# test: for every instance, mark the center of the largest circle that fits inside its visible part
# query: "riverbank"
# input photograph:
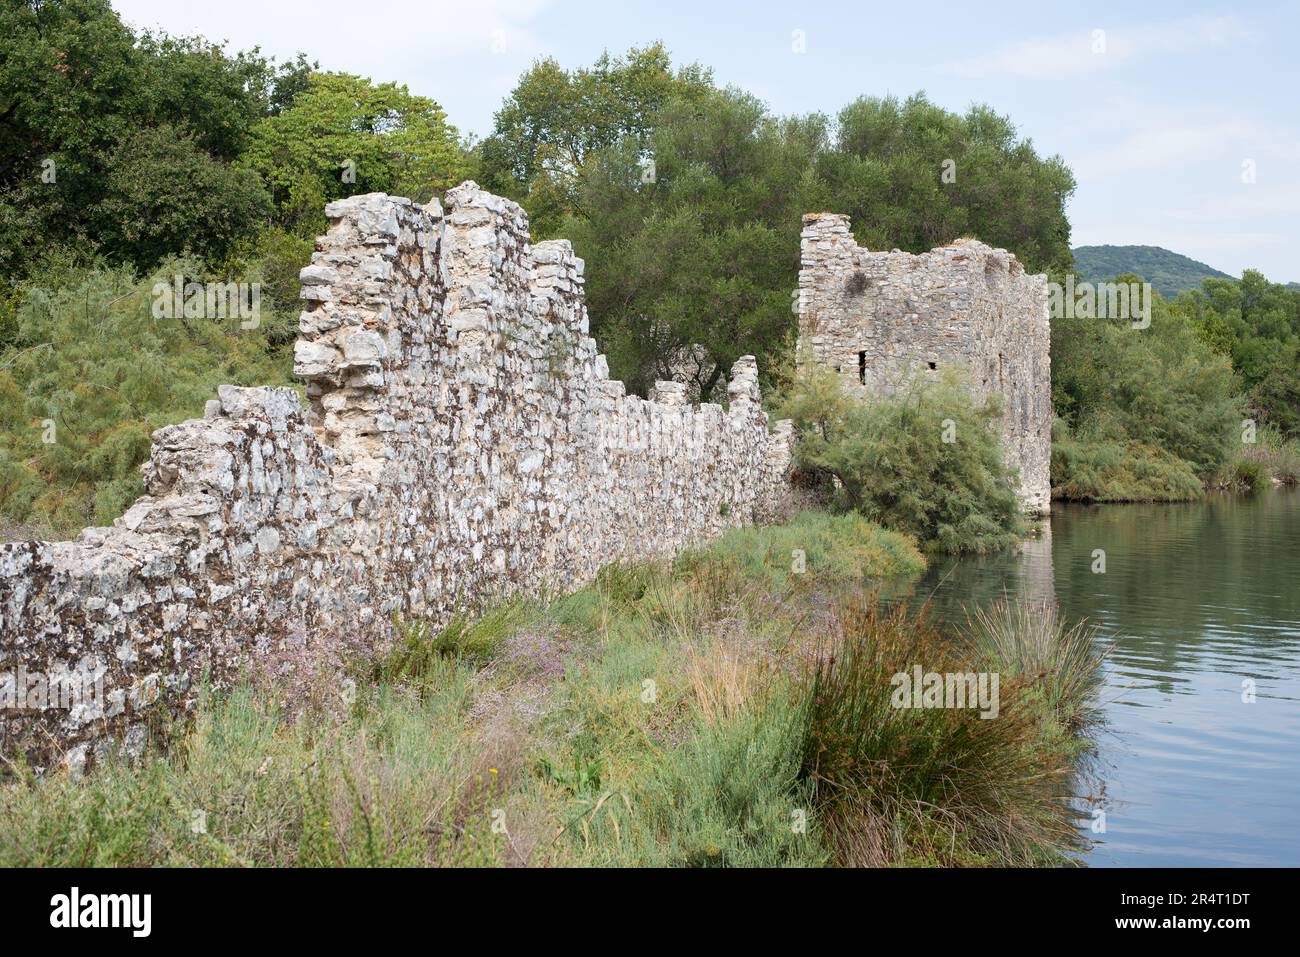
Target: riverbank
(1195, 766)
(1126, 471)
(736, 706)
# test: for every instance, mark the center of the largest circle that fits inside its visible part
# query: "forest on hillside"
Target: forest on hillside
(1169, 272)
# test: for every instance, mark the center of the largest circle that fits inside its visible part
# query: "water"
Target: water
(1197, 599)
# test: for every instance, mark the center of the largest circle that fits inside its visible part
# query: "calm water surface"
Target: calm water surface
(1197, 599)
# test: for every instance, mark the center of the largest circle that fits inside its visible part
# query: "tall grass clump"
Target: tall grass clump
(1028, 640)
(1272, 457)
(925, 462)
(895, 785)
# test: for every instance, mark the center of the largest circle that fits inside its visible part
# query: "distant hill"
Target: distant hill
(1168, 272)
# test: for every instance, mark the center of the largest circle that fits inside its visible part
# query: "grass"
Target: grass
(722, 709)
(1271, 458)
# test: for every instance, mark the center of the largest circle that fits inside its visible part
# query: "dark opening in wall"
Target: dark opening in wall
(862, 367)
(933, 365)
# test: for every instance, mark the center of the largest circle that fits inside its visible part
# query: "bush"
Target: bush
(843, 549)
(93, 373)
(1093, 469)
(924, 462)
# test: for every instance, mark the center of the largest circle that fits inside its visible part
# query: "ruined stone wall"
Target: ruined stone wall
(463, 442)
(884, 320)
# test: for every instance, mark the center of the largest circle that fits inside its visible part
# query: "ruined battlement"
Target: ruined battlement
(462, 442)
(883, 320)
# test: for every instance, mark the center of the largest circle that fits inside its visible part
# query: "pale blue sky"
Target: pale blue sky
(1157, 127)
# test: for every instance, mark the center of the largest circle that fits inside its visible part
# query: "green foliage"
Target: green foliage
(469, 638)
(167, 196)
(704, 256)
(845, 549)
(1256, 324)
(92, 374)
(553, 122)
(1096, 469)
(924, 461)
(727, 798)
(686, 199)
(83, 96)
(1168, 272)
(1154, 404)
(395, 142)
(886, 171)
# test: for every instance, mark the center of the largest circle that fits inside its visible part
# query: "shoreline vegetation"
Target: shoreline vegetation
(721, 709)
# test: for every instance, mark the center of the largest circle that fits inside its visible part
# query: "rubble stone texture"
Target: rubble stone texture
(463, 442)
(885, 321)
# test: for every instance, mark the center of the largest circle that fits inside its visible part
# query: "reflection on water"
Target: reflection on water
(1202, 606)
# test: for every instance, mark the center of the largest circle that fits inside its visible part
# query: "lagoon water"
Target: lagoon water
(1202, 604)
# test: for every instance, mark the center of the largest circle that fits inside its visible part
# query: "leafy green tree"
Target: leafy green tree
(891, 460)
(165, 195)
(1256, 324)
(344, 135)
(555, 120)
(1160, 388)
(914, 176)
(702, 255)
(76, 85)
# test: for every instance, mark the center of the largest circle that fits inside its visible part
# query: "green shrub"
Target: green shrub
(836, 549)
(93, 373)
(924, 462)
(1092, 469)
(732, 797)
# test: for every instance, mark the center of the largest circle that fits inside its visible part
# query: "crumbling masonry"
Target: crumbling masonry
(463, 442)
(887, 320)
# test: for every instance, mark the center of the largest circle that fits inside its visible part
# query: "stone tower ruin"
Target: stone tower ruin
(884, 320)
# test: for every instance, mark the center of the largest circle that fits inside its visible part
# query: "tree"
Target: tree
(165, 195)
(1162, 387)
(893, 462)
(347, 135)
(913, 176)
(76, 85)
(556, 120)
(702, 256)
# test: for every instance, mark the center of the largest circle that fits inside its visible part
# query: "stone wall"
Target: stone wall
(885, 320)
(462, 442)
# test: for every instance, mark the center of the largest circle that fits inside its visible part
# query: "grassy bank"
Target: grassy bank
(722, 709)
(1090, 469)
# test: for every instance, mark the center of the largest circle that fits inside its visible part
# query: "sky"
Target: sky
(1181, 122)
